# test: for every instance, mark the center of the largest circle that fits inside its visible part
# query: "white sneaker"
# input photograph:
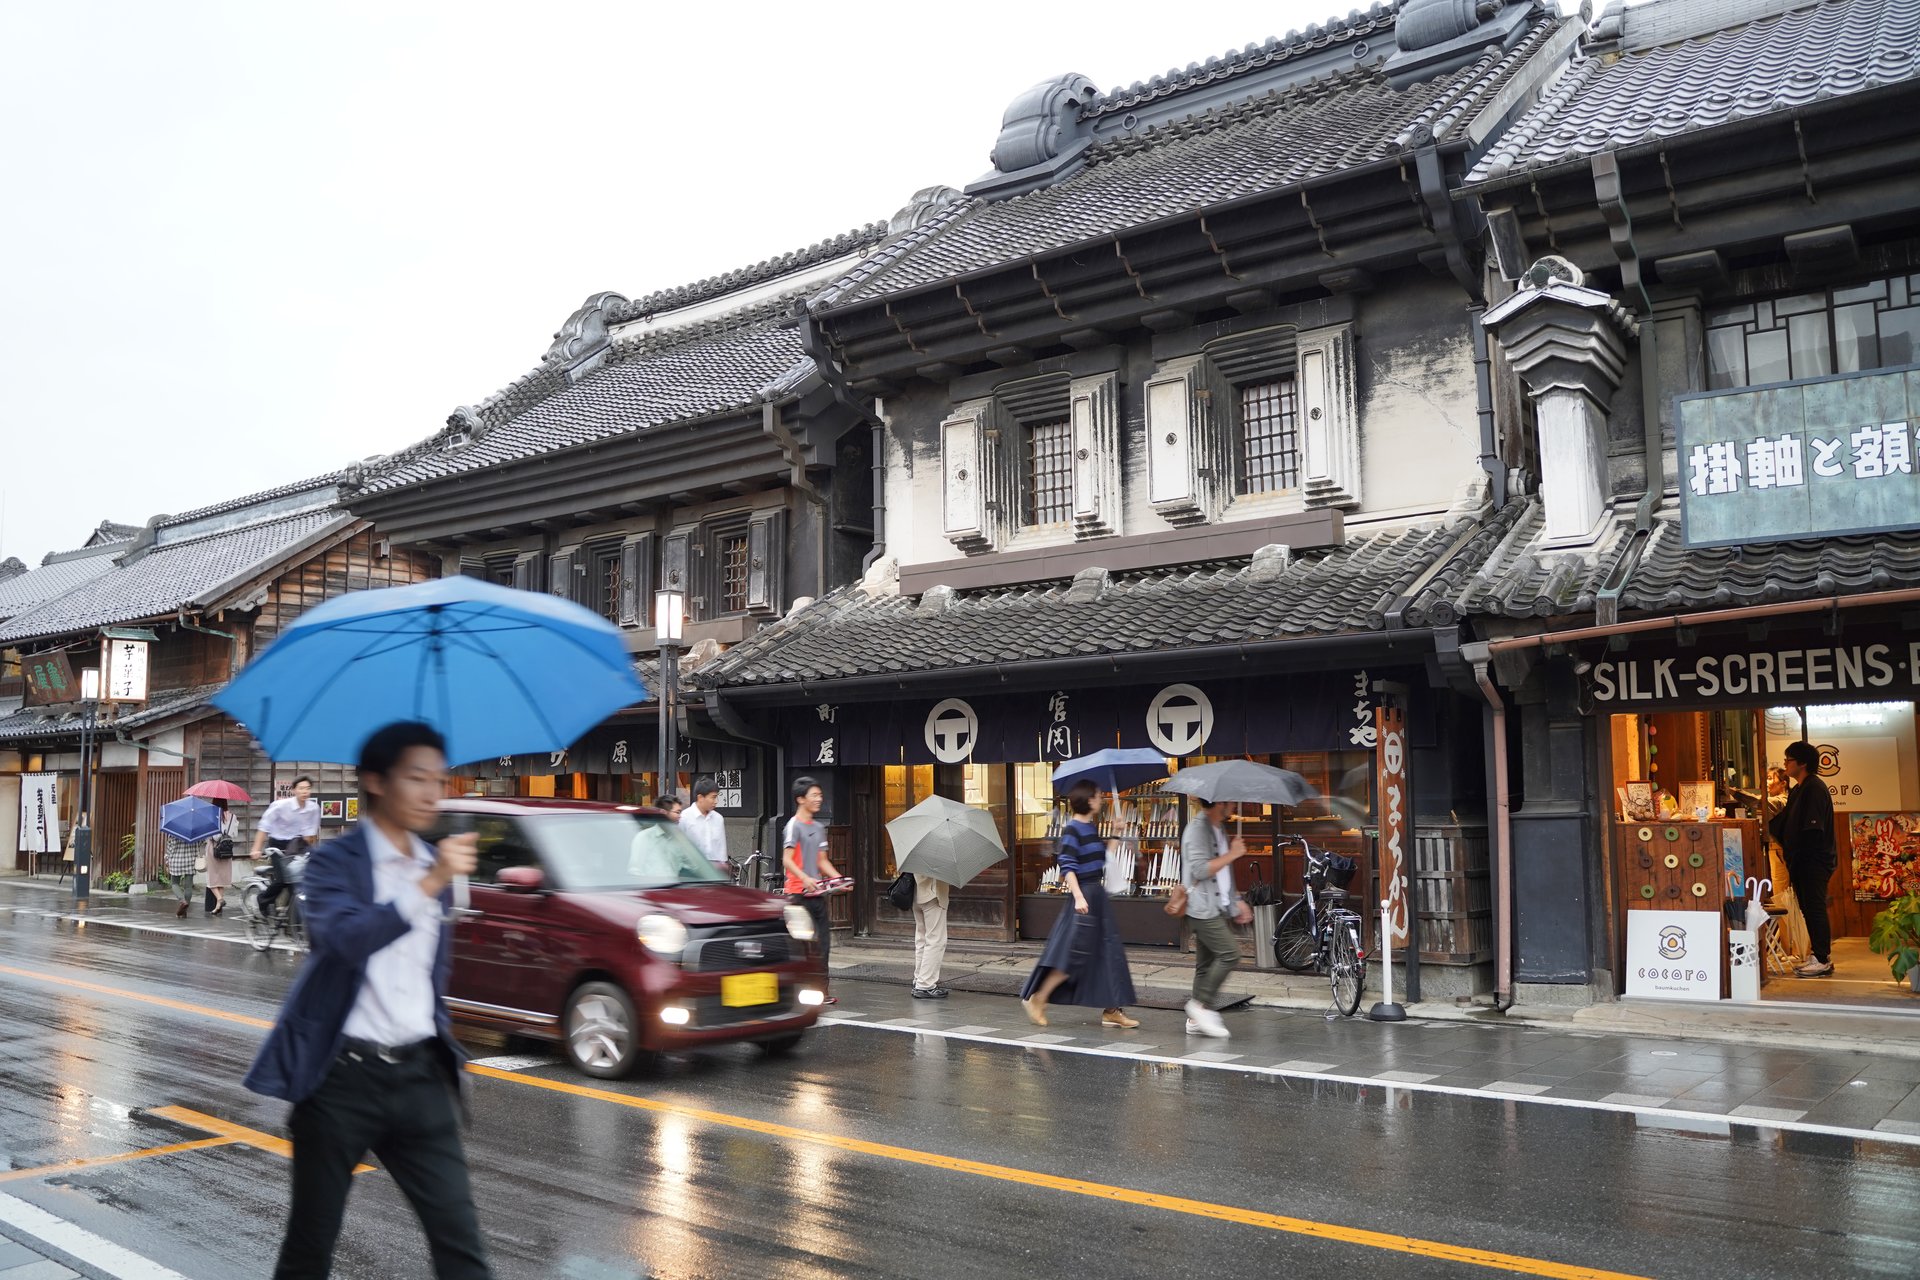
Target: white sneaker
(1203, 1021)
(1193, 1028)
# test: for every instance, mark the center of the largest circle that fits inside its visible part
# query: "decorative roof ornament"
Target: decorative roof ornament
(1042, 135)
(926, 202)
(1433, 37)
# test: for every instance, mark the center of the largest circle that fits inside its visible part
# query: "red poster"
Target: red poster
(1396, 815)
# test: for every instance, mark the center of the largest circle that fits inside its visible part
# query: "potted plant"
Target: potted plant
(1896, 935)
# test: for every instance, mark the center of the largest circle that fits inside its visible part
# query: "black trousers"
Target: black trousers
(1809, 879)
(407, 1115)
(816, 906)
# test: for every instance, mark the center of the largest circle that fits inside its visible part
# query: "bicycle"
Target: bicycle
(761, 875)
(280, 911)
(1317, 932)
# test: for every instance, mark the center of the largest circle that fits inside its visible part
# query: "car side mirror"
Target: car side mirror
(521, 879)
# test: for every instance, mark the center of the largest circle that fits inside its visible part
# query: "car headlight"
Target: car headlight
(662, 935)
(799, 923)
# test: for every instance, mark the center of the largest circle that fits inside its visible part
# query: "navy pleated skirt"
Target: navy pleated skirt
(1088, 947)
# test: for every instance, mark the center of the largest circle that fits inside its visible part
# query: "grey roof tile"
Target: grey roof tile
(850, 633)
(1270, 143)
(1505, 573)
(686, 295)
(54, 579)
(1238, 62)
(682, 375)
(1772, 64)
(168, 578)
(52, 722)
(251, 499)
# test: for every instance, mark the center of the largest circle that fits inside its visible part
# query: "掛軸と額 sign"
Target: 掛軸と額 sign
(1674, 955)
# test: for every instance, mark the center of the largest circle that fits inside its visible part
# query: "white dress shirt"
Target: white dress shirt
(396, 1002)
(288, 819)
(707, 831)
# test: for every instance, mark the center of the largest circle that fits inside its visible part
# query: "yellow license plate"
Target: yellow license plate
(739, 989)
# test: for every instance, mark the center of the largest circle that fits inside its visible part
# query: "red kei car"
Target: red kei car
(602, 927)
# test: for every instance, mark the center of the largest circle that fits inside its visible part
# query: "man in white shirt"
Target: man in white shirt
(363, 1047)
(291, 822)
(702, 824)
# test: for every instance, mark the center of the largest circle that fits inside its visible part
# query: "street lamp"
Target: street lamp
(669, 627)
(83, 826)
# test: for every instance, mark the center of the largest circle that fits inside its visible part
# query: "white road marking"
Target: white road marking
(96, 1251)
(1894, 1131)
(1749, 1112)
(1513, 1086)
(518, 1061)
(134, 926)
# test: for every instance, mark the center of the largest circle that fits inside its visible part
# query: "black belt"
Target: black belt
(362, 1050)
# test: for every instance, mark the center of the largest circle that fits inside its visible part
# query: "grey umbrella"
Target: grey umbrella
(945, 839)
(1242, 781)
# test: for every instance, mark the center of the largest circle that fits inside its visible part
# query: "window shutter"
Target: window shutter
(766, 560)
(676, 568)
(979, 453)
(1095, 414)
(636, 581)
(526, 571)
(1189, 458)
(560, 576)
(1330, 424)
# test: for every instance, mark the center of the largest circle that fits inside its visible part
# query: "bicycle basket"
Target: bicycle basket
(1341, 870)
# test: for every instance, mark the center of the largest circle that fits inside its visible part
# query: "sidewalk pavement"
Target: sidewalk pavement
(21, 1261)
(140, 912)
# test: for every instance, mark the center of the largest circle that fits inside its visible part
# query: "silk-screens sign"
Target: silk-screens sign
(1800, 459)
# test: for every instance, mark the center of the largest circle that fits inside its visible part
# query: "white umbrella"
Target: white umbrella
(946, 840)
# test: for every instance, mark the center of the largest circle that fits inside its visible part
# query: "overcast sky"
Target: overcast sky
(248, 243)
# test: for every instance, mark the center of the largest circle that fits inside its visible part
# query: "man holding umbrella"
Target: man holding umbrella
(1206, 859)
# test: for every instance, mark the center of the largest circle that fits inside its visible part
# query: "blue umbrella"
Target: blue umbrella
(190, 820)
(1121, 768)
(495, 670)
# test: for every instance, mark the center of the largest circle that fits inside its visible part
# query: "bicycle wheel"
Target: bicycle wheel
(1293, 946)
(1347, 972)
(259, 923)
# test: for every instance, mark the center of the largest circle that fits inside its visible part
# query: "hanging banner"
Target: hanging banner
(125, 662)
(1396, 815)
(49, 678)
(39, 813)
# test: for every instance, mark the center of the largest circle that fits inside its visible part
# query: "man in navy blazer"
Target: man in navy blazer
(363, 1047)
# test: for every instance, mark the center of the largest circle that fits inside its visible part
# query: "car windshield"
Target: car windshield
(589, 852)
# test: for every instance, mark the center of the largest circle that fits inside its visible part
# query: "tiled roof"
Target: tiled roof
(1237, 62)
(1771, 64)
(168, 578)
(852, 633)
(1504, 572)
(53, 722)
(673, 377)
(1270, 143)
(686, 295)
(265, 495)
(57, 577)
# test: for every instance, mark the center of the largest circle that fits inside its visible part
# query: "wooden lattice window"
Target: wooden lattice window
(1269, 436)
(734, 563)
(603, 582)
(1050, 472)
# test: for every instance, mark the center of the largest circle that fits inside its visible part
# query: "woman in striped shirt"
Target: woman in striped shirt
(1084, 962)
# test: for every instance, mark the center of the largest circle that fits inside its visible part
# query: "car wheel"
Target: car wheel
(602, 1033)
(781, 1046)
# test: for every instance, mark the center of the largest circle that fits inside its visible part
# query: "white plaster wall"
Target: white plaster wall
(1419, 426)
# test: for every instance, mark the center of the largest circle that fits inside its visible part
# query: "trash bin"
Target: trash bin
(1265, 920)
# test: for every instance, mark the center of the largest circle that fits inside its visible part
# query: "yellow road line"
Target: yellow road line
(1077, 1186)
(89, 1162)
(1004, 1173)
(141, 996)
(231, 1132)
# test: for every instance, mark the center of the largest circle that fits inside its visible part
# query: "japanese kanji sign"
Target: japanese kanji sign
(49, 679)
(126, 667)
(1799, 459)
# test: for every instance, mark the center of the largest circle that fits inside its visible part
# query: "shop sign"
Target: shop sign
(39, 813)
(1180, 720)
(1673, 955)
(125, 663)
(1800, 459)
(1396, 819)
(953, 731)
(49, 678)
(1732, 676)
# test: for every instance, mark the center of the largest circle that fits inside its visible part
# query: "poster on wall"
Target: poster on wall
(1861, 746)
(1673, 955)
(39, 813)
(1886, 854)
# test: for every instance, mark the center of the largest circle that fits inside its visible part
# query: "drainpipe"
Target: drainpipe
(1673, 622)
(1612, 203)
(814, 342)
(233, 641)
(1479, 655)
(121, 735)
(1490, 461)
(879, 485)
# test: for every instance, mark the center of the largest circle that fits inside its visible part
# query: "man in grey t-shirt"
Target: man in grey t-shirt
(1206, 854)
(804, 855)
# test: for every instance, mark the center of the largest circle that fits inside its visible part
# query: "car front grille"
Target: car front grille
(709, 1012)
(725, 954)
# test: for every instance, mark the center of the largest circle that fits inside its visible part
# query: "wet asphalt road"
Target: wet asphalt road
(851, 1158)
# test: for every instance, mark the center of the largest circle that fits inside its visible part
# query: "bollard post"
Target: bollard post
(1386, 1010)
